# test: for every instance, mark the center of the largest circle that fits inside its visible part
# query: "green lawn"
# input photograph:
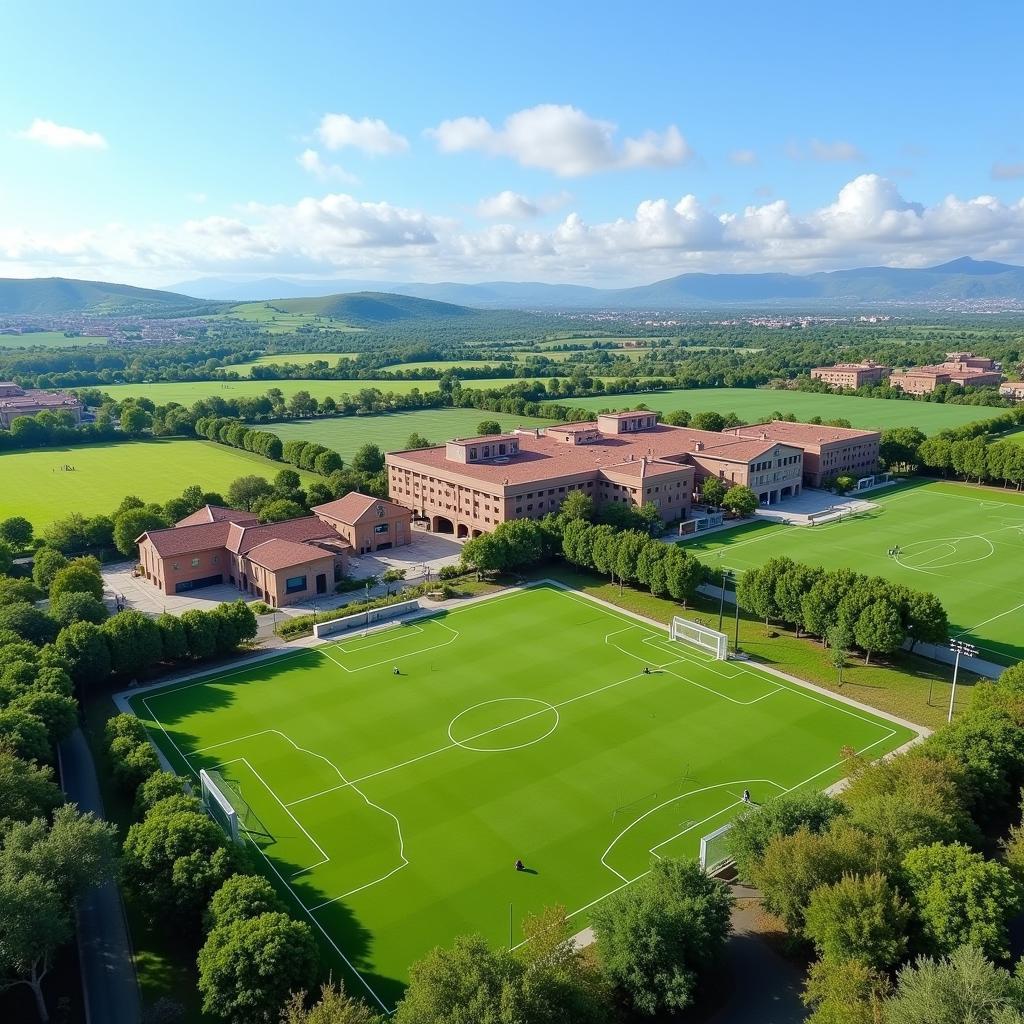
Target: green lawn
(49, 339)
(293, 358)
(394, 806)
(391, 430)
(753, 404)
(38, 489)
(281, 321)
(964, 544)
(1017, 437)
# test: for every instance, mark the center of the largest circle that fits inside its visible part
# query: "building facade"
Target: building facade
(279, 563)
(16, 401)
(851, 375)
(963, 368)
(1014, 391)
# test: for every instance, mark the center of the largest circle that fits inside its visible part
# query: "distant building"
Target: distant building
(16, 401)
(963, 368)
(470, 485)
(279, 563)
(1013, 391)
(851, 375)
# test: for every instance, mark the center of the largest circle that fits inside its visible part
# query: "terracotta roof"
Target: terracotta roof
(180, 540)
(650, 469)
(217, 514)
(801, 433)
(482, 438)
(243, 537)
(282, 554)
(354, 507)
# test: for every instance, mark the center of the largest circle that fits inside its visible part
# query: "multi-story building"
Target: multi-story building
(1014, 391)
(963, 368)
(851, 375)
(16, 401)
(828, 451)
(279, 563)
(470, 485)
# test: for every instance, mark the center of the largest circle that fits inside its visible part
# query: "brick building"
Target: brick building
(963, 368)
(16, 401)
(470, 485)
(851, 375)
(279, 563)
(1013, 391)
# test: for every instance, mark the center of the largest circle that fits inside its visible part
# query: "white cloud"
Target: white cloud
(743, 157)
(61, 136)
(311, 161)
(563, 140)
(371, 135)
(1006, 171)
(868, 222)
(509, 205)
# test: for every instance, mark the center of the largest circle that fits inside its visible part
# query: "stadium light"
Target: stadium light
(968, 650)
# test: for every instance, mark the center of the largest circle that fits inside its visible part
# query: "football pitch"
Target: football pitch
(393, 806)
(964, 544)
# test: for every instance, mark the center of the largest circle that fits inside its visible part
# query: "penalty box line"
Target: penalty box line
(398, 657)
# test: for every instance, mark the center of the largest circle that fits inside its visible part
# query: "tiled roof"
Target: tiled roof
(801, 433)
(283, 554)
(242, 537)
(354, 507)
(217, 514)
(180, 540)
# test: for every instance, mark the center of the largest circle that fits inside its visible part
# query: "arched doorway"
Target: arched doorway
(477, 533)
(439, 524)
(462, 532)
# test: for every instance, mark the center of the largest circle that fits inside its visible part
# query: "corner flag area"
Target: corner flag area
(539, 724)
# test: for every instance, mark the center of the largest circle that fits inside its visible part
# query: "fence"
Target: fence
(367, 618)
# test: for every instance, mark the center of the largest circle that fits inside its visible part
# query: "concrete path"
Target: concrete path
(110, 987)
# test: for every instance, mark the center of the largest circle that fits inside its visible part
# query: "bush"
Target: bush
(69, 608)
(45, 566)
(82, 576)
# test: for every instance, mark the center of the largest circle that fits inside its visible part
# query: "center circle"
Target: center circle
(488, 727)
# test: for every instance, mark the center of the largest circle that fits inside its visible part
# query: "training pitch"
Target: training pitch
(393, 807)
(964, 544)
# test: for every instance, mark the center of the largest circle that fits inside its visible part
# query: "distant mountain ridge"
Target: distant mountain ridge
(55, 295)
(958, 280)
(361, 308)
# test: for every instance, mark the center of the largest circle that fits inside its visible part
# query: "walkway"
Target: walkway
(110, 988)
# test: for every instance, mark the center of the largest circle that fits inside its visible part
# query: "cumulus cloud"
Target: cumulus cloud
(371, 135)
(509, 205)
(743, 157)
(62, 136)
(311, 161)
(561, 139)
(1007, 172)
(868, 221)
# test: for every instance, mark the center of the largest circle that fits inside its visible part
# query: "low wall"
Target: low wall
(367, 618)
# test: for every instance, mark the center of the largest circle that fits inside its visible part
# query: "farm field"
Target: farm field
(390, 430)
(104, 473)
(964, 544)
(49, 339)
(445, 364)
(753, 404)
(393, 807)
(280, 321)
(293, 358)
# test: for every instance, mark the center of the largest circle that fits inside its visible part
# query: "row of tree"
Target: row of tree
(912, 859)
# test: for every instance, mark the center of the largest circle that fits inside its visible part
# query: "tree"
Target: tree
(392, 576)
(368, 459)
(708, 421)
(248, 969)
(29, 622)
(279, 510)
(84, 649)
(878, 628)
(961, 898)
(791, 588)
(712, 491)
(82, 576)
(18, 591)
(76, 607)
(657, 936)
(158, 786)
(27, 790)
(173, 638)
(236, 624)
(46, 563)
(240, 898)
(839, 649)
(17, 532)
(134, 641)
(740, 500)
(577, 505)
(130, 525)
(200, 633)
(898, 448)
(963, 988)
(860, 917)
(335, 1006)
(683, 573)
(926, 620)
(247, 490)
(488, 427)
(844, 992)
(135, 421)
(415, 441)
(755, 591)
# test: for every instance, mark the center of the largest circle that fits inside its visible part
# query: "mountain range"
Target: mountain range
(374, 302)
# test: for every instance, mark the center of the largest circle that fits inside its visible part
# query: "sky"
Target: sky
(598, 143)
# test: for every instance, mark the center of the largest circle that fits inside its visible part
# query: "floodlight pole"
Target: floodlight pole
(721, 602)
(959, 647)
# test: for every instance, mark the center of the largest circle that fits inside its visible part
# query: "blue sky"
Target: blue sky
(600, 143)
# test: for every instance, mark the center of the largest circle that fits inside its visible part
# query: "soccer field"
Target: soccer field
(964, 544)
(393, 807)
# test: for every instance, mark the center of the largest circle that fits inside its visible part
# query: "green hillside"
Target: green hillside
(372, 307)
(50, 295)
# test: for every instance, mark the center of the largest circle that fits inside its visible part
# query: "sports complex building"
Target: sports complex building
(469, 485)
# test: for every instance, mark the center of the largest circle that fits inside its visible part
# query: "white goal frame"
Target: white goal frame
(710, 859)
(689, 632)
(211, 791)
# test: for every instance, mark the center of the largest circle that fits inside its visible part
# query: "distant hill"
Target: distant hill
(371, 308)
(53, 295)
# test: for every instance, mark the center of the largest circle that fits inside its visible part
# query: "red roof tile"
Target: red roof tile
(354, 507)
(242, 537)
(217, 514)
(283, 554)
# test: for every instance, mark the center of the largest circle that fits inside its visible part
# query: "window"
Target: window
(381, 528)
(295, 584)
(195, 562)
(176, 566)
(216, 559)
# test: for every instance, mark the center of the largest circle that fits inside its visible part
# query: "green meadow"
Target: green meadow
(289, 359)
(49, 339)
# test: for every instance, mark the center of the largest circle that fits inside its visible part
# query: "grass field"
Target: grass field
(964, 544)
(393, 806)
(391, 430)
(293, 358)
(48, 339)
(39, 490)
(279, 321)
(753, 404)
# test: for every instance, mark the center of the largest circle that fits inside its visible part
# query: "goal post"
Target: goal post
(215, 797)
(715, 853)
(711, 640)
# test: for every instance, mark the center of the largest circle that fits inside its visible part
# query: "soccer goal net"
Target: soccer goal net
(222, 802)
(714, 849)
(689, 632)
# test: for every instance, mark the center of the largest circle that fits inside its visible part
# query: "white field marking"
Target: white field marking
(518, 746)
(1009, 611)
(340, 645)
(397, 657)
(950, 543)
(225, 743)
